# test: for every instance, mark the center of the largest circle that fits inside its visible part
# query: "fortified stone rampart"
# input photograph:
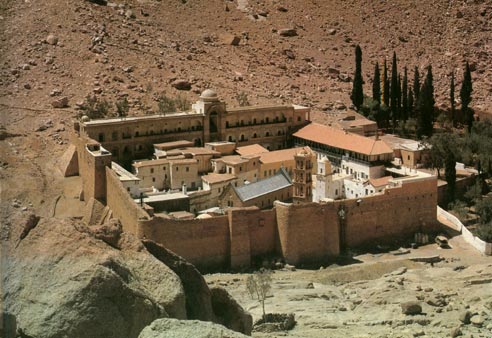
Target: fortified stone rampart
(300, 233)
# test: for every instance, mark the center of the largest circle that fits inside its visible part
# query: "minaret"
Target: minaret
(302, 176)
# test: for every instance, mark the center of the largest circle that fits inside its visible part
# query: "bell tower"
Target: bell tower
(302, 176)
(213, 109)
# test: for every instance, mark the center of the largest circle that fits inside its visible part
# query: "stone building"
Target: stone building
(209, 120)
(261, 194)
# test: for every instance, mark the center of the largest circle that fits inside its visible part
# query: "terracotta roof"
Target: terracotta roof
(281, 155)
(216, 178)
(233, 159)
(343, 140)
(251, 150)
(380, 182)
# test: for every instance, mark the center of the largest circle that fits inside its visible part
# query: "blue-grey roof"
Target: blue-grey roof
(276, 182)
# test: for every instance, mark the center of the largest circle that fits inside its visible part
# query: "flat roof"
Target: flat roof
(232, 159)
(172, 145)
(138, 118)
(216, 178)
(122, 173)
(162, 197)
(251, 150)
(343, 140)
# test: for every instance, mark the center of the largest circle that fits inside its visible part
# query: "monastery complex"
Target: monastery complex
(225, 187)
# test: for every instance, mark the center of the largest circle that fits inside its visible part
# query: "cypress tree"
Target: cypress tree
(410, 103)
(394, 91)
(398, 99)
(430, 82)
(404, 99)
(425, 103)
(385, 84)
(416, 83)
(465, 96)
(376, 84)
(451, 98)
(357, 96)
(450, 173)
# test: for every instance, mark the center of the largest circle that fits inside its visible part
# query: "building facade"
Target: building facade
(208, 121)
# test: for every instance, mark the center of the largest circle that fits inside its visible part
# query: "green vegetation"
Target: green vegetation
(95, 108)
(242, 99)
(465, 96)
(376, 84)
(357, 95)
(122, 108)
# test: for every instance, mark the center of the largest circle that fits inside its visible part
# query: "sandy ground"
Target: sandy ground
(363, 300)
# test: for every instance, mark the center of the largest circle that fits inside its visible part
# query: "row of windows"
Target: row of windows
(177, 169)
(277, 119)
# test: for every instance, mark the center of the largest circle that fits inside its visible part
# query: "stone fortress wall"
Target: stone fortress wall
(302, 233)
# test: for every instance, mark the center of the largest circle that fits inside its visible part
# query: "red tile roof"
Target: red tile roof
(343, 140)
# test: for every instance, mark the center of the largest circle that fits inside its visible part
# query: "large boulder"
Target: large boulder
(62, 282)
(229, 313)
(198, 297)
(202, 303)
(173, 328)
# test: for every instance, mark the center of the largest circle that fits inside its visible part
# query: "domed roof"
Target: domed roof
(208, 94)
(85, 118)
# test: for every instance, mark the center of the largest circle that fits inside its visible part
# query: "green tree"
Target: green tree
(357, 95)
(425, 105)
(404, 99)
(452, 101)
(376, 84)
(394, 91)
(450, 172)
(386, 93)
(416, 83)
(259, 285)
(182, 103)
(242, 99)
(122, 108)
(165, 105)
(465, 96)
(410, 103)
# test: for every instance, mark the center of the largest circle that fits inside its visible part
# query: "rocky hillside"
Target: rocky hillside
(61, 278)
(275, 51)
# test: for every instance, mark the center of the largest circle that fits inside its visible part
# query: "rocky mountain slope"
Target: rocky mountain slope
(138, 49)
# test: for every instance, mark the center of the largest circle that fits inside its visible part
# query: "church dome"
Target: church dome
(209, 94)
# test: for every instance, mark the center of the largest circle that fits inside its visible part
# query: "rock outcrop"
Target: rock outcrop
(61, 282)
(198, 297)
(202, 303)
(229, 313)
(173, 328)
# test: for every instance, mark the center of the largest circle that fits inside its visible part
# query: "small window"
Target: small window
(298, 119)
(128, 189)
(151, 170)
(153, 179)
(187, 169)
(177, 168)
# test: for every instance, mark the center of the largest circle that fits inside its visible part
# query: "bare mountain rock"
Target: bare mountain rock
(173, 328)
(60, 282)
